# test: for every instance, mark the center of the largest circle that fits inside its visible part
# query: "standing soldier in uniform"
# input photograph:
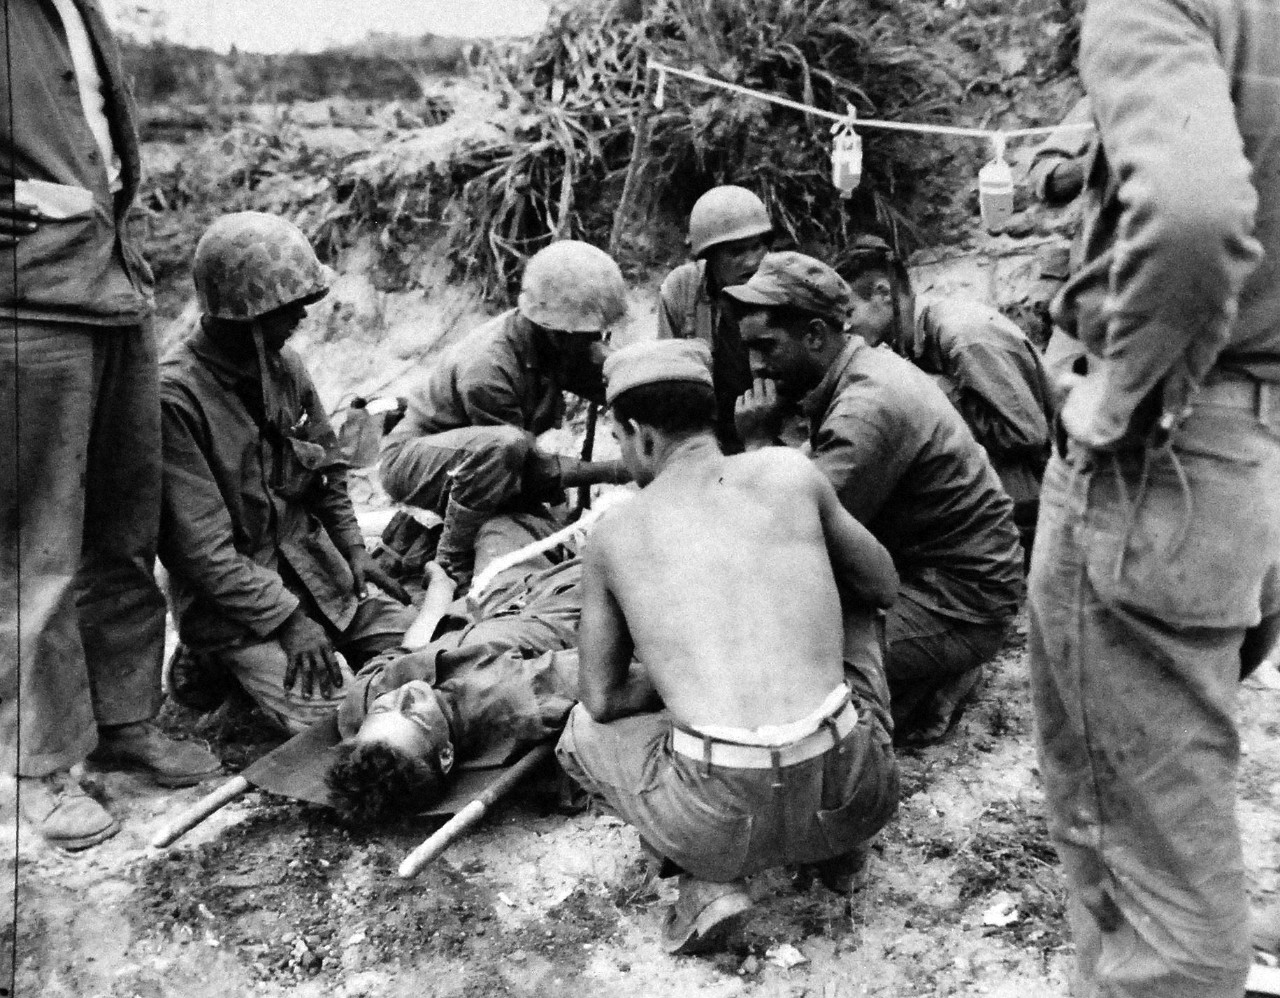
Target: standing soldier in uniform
(1158, 558)
(729, 231)
(79, 430)
(466, 447)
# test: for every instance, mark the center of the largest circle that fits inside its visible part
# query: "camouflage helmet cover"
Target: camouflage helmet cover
(250, 263)
(573, 287)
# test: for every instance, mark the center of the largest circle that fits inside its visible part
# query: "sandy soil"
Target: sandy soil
(272, 897)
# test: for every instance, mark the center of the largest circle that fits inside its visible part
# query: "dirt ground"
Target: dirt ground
(271, 897)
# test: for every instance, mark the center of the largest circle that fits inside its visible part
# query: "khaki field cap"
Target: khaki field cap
(656, 360)
(250, 263)
(725, 214)
(799, 281)
(572, 287)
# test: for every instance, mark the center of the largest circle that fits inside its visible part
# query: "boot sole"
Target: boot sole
(714, 924)
(84, 841)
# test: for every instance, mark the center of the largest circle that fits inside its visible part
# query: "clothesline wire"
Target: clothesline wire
(898, 126)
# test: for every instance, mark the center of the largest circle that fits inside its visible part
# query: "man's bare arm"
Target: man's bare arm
(604, 642)
(863, 568)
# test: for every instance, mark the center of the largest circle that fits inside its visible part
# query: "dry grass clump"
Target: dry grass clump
(586, 83)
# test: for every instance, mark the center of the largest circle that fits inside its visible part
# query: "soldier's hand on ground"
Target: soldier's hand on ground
(758, 414)
(365, 569)
(17, 218)
(312, 660)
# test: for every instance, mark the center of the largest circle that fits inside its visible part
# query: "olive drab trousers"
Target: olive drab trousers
(81, 617)
(1149, 567)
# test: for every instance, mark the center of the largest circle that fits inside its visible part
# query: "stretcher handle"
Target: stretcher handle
(453, 829)
(199, 811)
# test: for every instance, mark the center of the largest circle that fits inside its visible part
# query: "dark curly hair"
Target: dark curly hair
(371, 782)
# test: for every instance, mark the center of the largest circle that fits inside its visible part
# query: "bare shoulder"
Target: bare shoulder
(609, 531)
(777, 468)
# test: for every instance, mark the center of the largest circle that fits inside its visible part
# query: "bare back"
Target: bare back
(722, 572)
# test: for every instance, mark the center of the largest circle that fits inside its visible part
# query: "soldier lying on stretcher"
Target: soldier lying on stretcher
(506, 675)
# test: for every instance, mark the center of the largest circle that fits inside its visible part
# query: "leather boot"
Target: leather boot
(61, 812)
(144, 746)
(704, 915)
(456, 551)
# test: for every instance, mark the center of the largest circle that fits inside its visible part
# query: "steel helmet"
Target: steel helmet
(573, 287)
(250, 263)
(724, 214)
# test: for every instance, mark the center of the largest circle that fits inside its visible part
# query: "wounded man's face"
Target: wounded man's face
(409, 719)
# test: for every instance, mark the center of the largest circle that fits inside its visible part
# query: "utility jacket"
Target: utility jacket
(688, 310)
(510, 675)
(494, 377)
(1179, 273)
(998, 382)
(255, 516)
(904, 463)
(84, 269)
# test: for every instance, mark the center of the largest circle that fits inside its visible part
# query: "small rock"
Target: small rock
(750, 965)
(785, 955)
(1003, 912)
(519, 956)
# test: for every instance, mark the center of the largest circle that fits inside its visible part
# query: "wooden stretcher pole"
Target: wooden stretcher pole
(467, 818)
(199, 811)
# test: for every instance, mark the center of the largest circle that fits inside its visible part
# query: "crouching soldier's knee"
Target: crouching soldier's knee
(491, 471)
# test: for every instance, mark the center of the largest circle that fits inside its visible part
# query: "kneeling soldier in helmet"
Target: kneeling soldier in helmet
(267, 566)
(466, 446)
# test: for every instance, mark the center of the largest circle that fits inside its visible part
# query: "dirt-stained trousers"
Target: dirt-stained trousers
(81, 617)
(1149, 567)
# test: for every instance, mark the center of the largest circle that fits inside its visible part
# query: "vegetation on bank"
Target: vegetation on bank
(577, 96)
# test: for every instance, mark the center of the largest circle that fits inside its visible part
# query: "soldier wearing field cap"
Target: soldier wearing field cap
(466, 448)
(904, 463)
(726, 577)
